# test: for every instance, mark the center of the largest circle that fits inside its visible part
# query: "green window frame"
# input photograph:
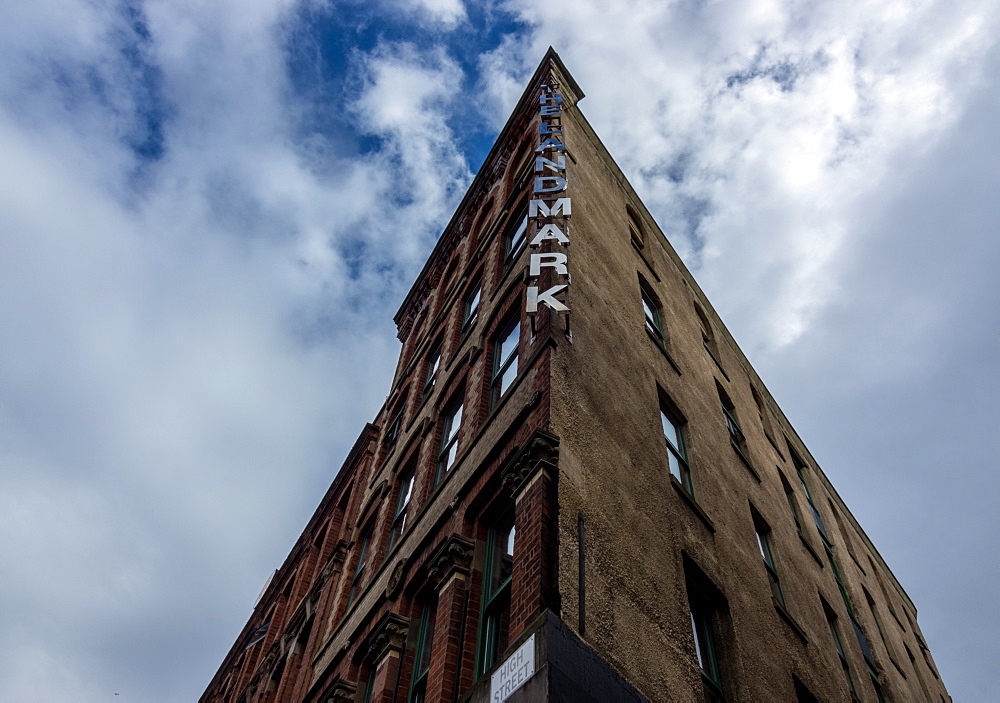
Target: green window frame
(472, 300)
(433, 365)
(817, 518)
(505, 357)
(706, 651)
(831, 619)
(449, 440)
(370, 686)
(516, 239)
(673, 433)
(494, 621)
(395, 424)
(767, 553)
(422, 658)
(359, 570)
(402, 507)
(652, 313)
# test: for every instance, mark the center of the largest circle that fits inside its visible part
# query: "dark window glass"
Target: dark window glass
(402, 508)
(359, 571)
(705, 648)
(764, 542)
(495, 623)
(832, 621)
(433, 364)
(422, 659)
(516, 238)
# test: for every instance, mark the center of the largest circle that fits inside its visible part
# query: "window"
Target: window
(676, 451)
(395, 424)
(790, 497)
(422, 658)
(402, 507)
(449, 440)
(767, 553)
(433, 364)
(729, 413)
(370, 686)
(634, 227)
(359, 570)
(257, 634)
(710, 628)
(708, 336)
(831, 620)
(651, 309)
(803, 694)
(495, 621)
(505, 351)
(800, 469)
(472, 303)
(515, 239)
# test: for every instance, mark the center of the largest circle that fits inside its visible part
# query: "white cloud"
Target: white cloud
(753, 129)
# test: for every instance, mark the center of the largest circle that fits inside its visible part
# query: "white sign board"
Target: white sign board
(514, 672)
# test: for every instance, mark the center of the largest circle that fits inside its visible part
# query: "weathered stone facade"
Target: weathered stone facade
(401, 586)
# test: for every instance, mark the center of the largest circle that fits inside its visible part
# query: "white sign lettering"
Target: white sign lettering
(514, 672)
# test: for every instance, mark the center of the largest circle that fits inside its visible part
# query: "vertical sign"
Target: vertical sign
(550, 206)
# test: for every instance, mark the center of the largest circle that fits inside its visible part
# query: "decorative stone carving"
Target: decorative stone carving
(341, 692)
(388, 636)
(336, 562)
(541, 450)
(395, 583)
(452, 557)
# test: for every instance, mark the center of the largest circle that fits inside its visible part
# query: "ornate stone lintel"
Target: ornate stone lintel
(540, 451)
(336, 561)
(387, 637)
(452, 557)
(341, 692)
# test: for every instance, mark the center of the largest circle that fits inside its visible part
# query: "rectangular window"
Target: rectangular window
(705, 649)
(449, 440)
(515, 239)
(433, 364)
(495, 621)
(395, 424)
(799, 469)
(767, 553)
(370, 686)
(676, 451)
(651, 310)
(790, 497)
(402, 508)
(422, 658)
(505, 351)
(359, 570)
(832, 622)
(472, 304)
(729, 413)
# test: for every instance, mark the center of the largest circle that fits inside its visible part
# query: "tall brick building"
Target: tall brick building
(578, 489)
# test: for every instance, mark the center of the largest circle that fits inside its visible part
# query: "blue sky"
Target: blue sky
(211, 210)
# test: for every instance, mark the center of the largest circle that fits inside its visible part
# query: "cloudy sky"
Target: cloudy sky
(209, 212)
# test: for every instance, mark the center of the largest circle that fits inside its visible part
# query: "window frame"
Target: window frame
(424, 650)
(651, 310)
(706, 650)
(502, 365)
(359, 569)
(763, 533)
(675, 453)
(450, 430)
(473, 301)
(496, 599)
(516, 238)
(405, 497)
(432, 368)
